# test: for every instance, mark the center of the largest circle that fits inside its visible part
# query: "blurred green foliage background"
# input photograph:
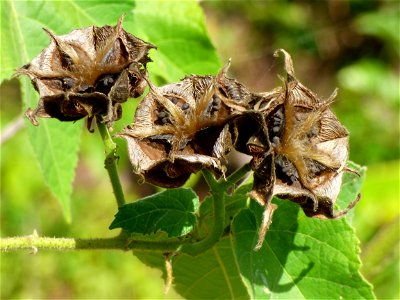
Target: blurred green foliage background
(352, 45)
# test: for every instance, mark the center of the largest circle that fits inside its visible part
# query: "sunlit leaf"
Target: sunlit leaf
(211, 275)
(302, 258)
(172, 211)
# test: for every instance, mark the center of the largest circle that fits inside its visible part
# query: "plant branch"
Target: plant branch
(238, 174)
(110, 162)
(34, 243)
(218, 198)
(124, 242)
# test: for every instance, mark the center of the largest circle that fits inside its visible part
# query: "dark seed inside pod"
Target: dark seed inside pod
(276, 125)
(314, 131)
(174, 100)
(85, 88)
(315, 168)
(105, 83)
(162, 114)
(275, 141)
(285, 170)
(185, 106)
(103, 66)
(216, 101)
(66, 60)
(214, 105)
(67, 83)
(162, 117)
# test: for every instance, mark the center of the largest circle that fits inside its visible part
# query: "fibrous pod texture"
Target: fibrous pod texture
(183, 127)
(302, 154)
(88, 72)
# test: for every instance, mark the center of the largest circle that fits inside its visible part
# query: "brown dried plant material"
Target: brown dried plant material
(88, 72)
(306, 152)
(183, 127)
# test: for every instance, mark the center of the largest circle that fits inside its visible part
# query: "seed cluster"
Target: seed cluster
(298, 147)
(183, 127)
(88, 73)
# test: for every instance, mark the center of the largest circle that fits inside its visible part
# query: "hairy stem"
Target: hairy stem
(124, 242)
(110, 162)
(34, 243)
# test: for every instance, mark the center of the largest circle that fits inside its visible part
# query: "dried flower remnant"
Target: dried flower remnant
(88, 72)
(306, 152)
(183, 127)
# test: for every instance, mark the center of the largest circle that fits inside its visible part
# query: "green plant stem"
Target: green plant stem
(123, 242)
(34, 243)
(110, 162)
(218, 198)
(218, 190)
(238, 174)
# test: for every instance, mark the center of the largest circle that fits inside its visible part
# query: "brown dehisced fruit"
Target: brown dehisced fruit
(302, 154)
(88, 72)
(183, 127)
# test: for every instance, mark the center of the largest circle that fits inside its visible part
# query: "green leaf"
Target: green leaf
(172, 211)
(56, 148)
(178, 30)
(212, 275)
(302, 258)
(351, 187)
(55, 144)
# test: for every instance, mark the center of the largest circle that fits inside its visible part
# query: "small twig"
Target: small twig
(124, 241)
(218, 198)
(238, 174)
(218, 190)
(169, 272)
(110, 162)
(269, 209)
(12, 129)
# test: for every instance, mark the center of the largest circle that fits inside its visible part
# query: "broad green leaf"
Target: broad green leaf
(178, 29)
(211, 275)
(55, 144)
(172, 211)
(302, 258)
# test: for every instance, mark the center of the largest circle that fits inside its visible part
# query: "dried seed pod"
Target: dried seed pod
(303, 153)
(88, 72)
(182, 127)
